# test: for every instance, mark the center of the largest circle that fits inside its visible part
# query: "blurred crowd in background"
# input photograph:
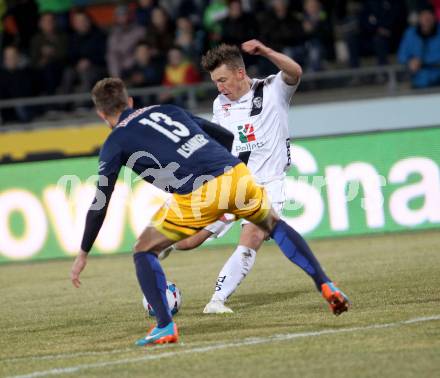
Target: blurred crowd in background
(54, 47)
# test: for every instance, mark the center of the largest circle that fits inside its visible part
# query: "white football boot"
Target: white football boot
(217, 307)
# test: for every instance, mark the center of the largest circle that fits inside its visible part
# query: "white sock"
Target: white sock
(233, 272)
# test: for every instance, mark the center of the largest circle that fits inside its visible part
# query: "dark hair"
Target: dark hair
(83, 12)
(47, 13)
(178, 48)
(425, 6)
(144, 42)
(110, 96)
(222, 54)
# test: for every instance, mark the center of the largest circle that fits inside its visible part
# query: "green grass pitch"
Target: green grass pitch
(281, 326)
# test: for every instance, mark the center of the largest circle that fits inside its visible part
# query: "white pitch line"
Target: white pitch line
(212, 347)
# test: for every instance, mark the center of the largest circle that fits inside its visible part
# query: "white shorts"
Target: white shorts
(275, 191)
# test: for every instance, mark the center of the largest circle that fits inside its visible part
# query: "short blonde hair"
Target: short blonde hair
(110, 96)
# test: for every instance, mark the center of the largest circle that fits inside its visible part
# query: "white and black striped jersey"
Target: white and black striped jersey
(259, 122)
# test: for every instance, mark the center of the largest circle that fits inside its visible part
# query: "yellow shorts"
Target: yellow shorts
(234, 192)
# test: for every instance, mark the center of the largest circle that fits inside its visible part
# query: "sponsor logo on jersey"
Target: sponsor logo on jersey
(246, 133)
(226, 108)
(248, 147)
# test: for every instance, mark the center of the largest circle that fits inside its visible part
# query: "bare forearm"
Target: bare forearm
(292, 71)
(193, 241)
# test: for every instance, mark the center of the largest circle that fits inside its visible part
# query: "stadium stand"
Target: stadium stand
(342, 45)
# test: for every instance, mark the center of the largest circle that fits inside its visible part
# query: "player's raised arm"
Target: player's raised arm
(291, 70)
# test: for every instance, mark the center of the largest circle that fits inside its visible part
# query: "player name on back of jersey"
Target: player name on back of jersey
(192, 145)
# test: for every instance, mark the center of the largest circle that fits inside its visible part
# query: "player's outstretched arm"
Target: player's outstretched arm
(215, 229)
(291, 70)
(193, 241)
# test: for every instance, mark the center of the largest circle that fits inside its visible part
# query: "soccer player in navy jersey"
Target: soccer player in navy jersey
(187, 156)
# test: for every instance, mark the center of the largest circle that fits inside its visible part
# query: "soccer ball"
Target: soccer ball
(174, 298)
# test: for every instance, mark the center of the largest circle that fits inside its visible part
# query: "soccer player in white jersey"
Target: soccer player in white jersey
(256, 112)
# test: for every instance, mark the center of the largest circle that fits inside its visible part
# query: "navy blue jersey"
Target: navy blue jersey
(165, 146)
